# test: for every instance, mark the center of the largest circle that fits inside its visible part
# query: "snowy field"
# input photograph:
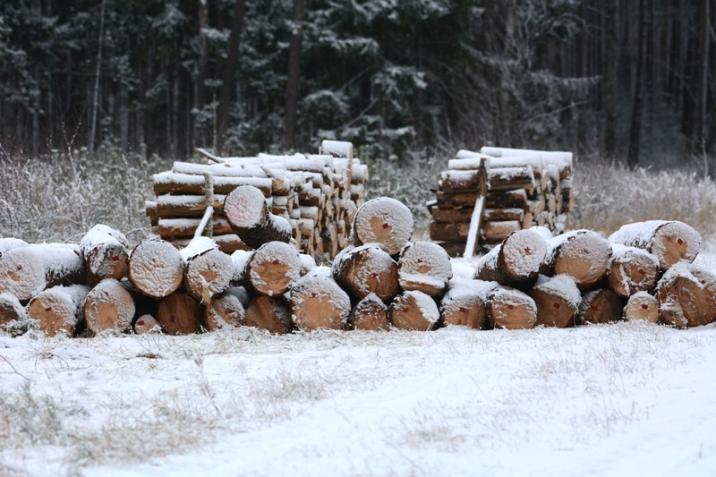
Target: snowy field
(616, 399)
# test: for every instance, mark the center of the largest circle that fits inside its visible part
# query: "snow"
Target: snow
(168, 178)
(456, 402)
(9, 243)
(392, 212)
(197, 246)
(308, 263)
(426, 258)
(462, 292)
(319, 284)
(472, 233)
(337, 148)
(562, 286)
(465, 163)
(557, 157)
(156, 267)
(100, 238)
(427, 306)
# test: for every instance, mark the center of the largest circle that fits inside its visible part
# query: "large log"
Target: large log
(273, 268)
(582, 254)
(670, 241)
(247, 211)
(516, 261)
(209, 271)
(317, 302)
(58, 309)
(385, 221)
(187, 206)
(11, 310)
(179, 314)
(156, 268)
(465, 302)
(510, 309)
(269, 313)
(225, 310)
(104, 251)
(370, 314)
(109, 306)
(424, 266)
(632, 270)
(642, 307)
(506, 199)
(557, 299)
(414, 310)
(600, 306)
(367, 269)
(26, 271)
(686, 299)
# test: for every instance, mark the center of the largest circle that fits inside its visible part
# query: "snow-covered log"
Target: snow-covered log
(26, 271)
(188, 184)
(179, 314)
(385, 221)
(225, 310)
(557, 299)
(269, 313)
(11, 310)
(424, 266)
(642, 307)
(105, 254)
(670, 241)
(414, 310)
(516, 261)
(600, 306)
(58, 309)
(686, 296)
(510, 309)
(370, 314)
(9, 243)
(508, 178)
(465, 302)
(498, 231)
(367, 269)
(209, 271)
(273, 268)
(146, 324)
(246, 209)
(632, 270)
(582, 254)
(317, 302)
(156, 268)
(109, 306)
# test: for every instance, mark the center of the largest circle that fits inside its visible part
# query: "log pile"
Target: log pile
(382, 280)
(310, 198)
(484, 197)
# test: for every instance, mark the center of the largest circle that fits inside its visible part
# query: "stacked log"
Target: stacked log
(310, 198)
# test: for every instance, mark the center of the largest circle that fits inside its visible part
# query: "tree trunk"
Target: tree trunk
(317, 302)
(109, 306)
(294, 76)
(179, 314)
(370, 314)
(104, 251)
(612, 78)
(225, 310)
(669, 241)
(58, 309)
(156, 268)
(269, 313)
(557, 299)
(465, 303)
(516, 261)
(273, 268)
(635, 131)
(246, 209)
(229, 73)
(208, 273)
(600, 306)
(582, 254)
(365, 270)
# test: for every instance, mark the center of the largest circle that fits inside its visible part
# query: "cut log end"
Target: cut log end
(273, 268)
(58, 309)
(178, 314)
(156, 268)
(584, 255)
(370, 314)
(11, 310)
(146, 324)
(269, 313)
(632, 270)
(209, 274)
(425, 267)
(511, 309)
(675, 241)
(108, 307)
(367, 269)
(317, 302)
(385, 221)
(104, 250)
(642, 307)
(557, 299)
(465, 303)
(600, 306)
(415, 311)
(224, 311)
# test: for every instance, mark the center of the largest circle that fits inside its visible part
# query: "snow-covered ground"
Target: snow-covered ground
(618, 399)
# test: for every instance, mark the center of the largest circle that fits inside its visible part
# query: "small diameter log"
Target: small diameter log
(452, 215)
(449, 232)
(632, 270)
(642, 307)
(105, 254)
(11, 310)
(685, 299)
(506, 178)
(367, 269)
(510, 309)
(506, 199)
(247, 211)
(156, 268)
(497, 231)
(370, 314)
(269, 313)
(582, 254)
(58, 309)
(224, 311)
(273, 268)
(179, 314)
(385, 221)
(461, 180)
(424, 266)
(26, 271)
(317, 302)
(516, 261)
(670, 241)
(557, 299)
(415, 311)
(499, 215)
(600, 306)
(465, 303)
(209, 271)
(109, 306)
(146, 324)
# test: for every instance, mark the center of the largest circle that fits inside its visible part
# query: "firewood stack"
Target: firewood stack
(382, 279)
(500, 191)
(317, 194)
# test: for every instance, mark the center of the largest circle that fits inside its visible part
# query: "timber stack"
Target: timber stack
(522, 188)
(316, 195)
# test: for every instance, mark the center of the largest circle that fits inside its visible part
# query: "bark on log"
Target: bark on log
(370, 314)
(465, 303)
(516, 261)
(247, 211)
(179, 314)
(225, 310)
(508, 178)
(186, 206)
(192, 184)
(686, 299)
(146, 324)
(385, 221)
(451, 215)
(461, 180)
(317, 302)
(169, 229)
(26, 271)
(109, 306)
(642, 307)
(600, 306)
(506, 199)
(670, 241)
(414, 310)
(104, 251)
(557, 299)
(269, 313)
(582, 254)
(632, 270)
(450, 232)
(501, 215)
(58, 309)
(511, 309)
(156, 268)
(425, 267)
(498, 231)
(273, 268)
(367, 269)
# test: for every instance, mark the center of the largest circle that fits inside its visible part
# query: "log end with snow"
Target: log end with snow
(269, 313)
(179, 314)
(669, 241)
(208, 273)
(414, 310)
(104, 251)
(11, 310)
(156, 268)
(273, 268)
(516, 261)
(370, 314)
(600, 306)
(108, 307)
(425, 267)
(687, 296)
(58, 309)
(367, 269)
(385, 221)
(146, 324)
(247, 211)
(509, 308)
(557, 299)
(465, 302)
(224, 311)
(582, 254)
(632, 270)
(317, 302)
(642, 306)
